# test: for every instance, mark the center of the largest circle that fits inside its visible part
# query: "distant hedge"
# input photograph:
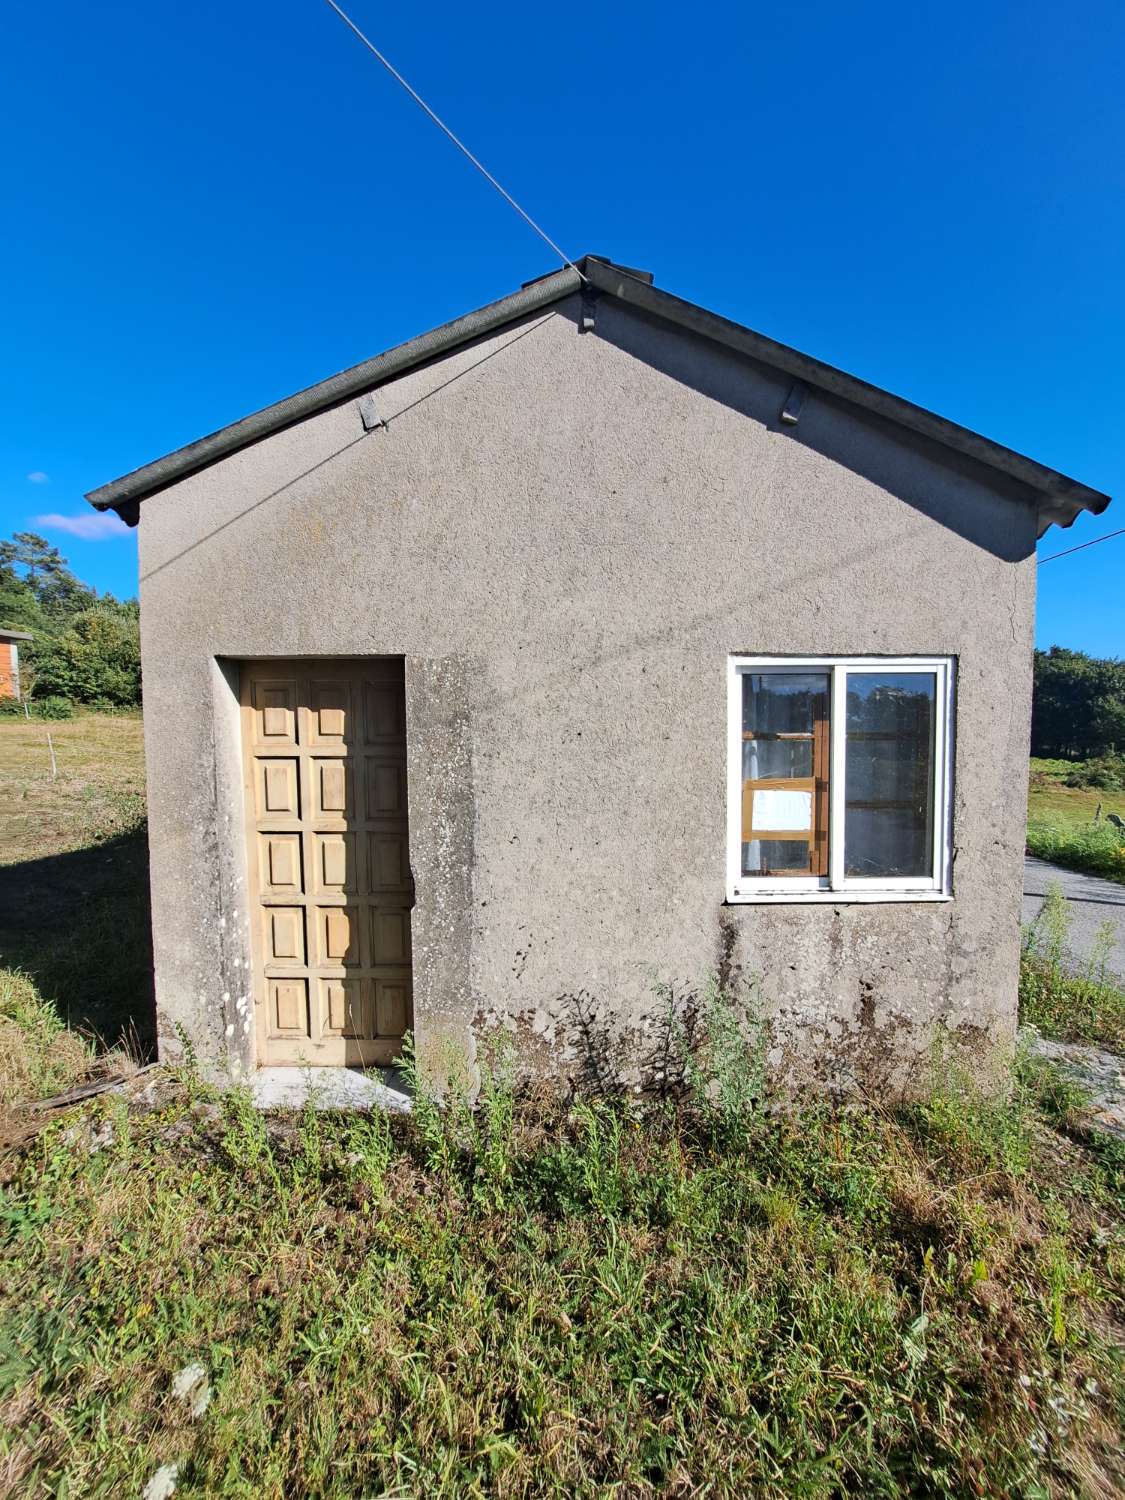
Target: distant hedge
(37, 708)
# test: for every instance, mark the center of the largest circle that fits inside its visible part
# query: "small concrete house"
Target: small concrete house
(10, 661)
(588, 644)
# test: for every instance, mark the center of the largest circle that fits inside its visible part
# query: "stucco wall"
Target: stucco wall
(566, 534)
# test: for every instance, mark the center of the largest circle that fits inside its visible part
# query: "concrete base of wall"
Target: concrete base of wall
(331, 1088)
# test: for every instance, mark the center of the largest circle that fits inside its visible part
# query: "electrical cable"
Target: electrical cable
(1082, 545)
(440, 123)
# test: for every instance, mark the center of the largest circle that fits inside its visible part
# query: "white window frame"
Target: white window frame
(836, 886)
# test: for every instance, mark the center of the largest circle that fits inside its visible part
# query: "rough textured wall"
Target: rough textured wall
(566, 534)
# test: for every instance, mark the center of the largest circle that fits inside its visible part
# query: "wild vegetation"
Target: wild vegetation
(1073, 1002)
(85, 646)
(1071, 817)
(661, 1297)
(1078, 766)
(39, 1053)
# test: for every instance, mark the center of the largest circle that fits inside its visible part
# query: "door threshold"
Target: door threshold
(331, 1088)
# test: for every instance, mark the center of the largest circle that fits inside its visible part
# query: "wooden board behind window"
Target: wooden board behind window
(816, 837)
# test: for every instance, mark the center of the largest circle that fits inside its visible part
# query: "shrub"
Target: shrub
(53, 707)
(96, 658)
(1096, 848)
(1044, 769)
(725, 1069)
(1103, 773)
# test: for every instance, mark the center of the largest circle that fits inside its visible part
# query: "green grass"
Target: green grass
(1094, 848)
(1049, 799)
(1073, 1002)
(535, 1300)
(1061, 822)
(39, 1056)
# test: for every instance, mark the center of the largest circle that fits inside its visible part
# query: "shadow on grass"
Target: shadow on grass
(79, 924)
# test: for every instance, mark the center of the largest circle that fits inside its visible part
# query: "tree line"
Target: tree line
(85, 646)
(1078, 708)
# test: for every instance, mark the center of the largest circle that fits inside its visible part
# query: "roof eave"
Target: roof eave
(126, 493)
(1059, 499)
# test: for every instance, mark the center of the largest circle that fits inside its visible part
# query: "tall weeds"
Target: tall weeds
(1081, 1002)
(1094, 848)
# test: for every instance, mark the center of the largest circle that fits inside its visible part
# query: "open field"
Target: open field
(74, 870)
(1070, 805)
(1049, 800)
(99, 790)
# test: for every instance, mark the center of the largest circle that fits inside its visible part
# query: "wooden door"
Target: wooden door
(324, 754)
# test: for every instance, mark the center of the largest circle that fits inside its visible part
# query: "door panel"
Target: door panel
(324, 748)
(276, 782)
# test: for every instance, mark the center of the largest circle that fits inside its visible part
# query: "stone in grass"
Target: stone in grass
(1100, 1074)
(191, 1385)
(162, 1484)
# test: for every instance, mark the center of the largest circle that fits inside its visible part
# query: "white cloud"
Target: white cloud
(91, 526)
(37, 476)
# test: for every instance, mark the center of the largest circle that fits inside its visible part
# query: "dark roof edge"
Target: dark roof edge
(16, 635)
(1060, 500)
(127, 492)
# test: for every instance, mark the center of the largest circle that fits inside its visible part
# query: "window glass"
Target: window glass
(889, 774)
(784, 773)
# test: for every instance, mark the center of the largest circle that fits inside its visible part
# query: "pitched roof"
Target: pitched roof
(16, 635)
(1058, 498)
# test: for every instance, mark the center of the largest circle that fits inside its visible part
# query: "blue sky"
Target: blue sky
(211, 206)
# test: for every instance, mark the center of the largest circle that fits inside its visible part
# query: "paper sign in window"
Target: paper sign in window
(782, 811)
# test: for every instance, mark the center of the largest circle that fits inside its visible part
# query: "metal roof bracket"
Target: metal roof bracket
(369, 414)
(791, 411)
(588, 322)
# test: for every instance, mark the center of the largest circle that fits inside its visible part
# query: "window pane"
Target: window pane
(784, 773)
(889, 814)
(775, 857)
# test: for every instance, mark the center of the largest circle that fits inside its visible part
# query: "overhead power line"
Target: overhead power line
(440, 123)
(1082, 546)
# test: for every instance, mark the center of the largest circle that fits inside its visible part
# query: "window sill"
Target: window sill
(829, 898)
